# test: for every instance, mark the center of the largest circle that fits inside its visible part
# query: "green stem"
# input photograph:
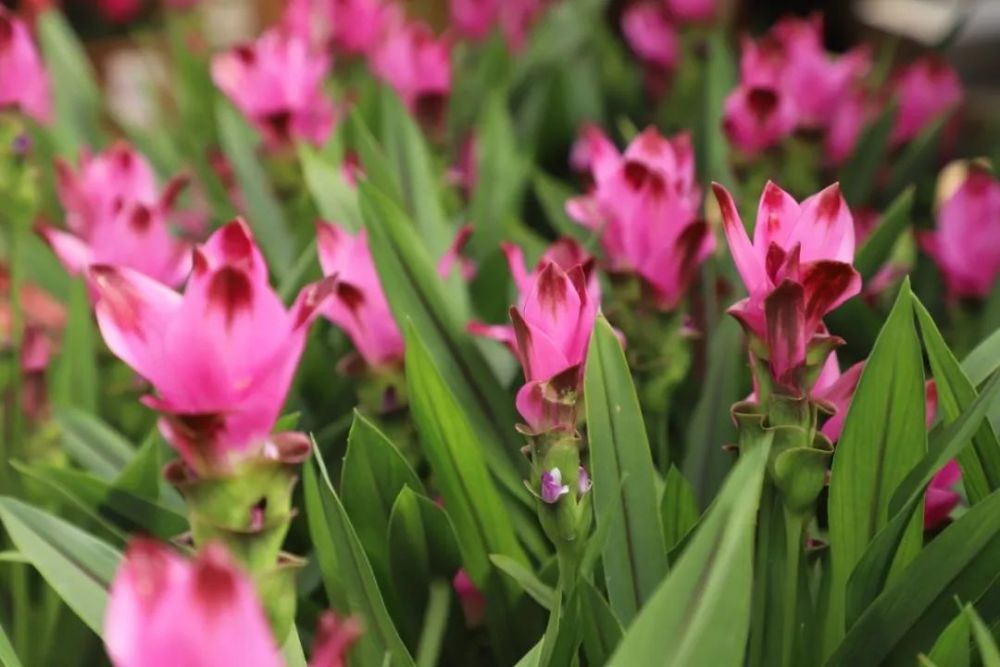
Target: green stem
(793, 558)
(435, 623)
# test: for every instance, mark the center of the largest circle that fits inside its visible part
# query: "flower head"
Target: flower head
(417, 66)
(475, 18)
(798, 269)
(25, 83)
(645, 205)
(277, 82)
(350, 27)
(221, 356)
(164, 610)
(651, 34)
(966, 243)
(925, 89)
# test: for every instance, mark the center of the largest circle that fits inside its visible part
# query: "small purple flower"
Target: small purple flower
(583, 481)
(22, 144)
(552, 486)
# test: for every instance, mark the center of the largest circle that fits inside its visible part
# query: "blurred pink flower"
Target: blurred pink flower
(758, 117)
(221, 356)
(848, 119)
(334, 638)
(691, 10)
(835, 390)
(798, 269)
(645, 204)
(651, 35)
(925, 89)
(117, 215)
(25, 83)
(164, 610)
(358, 305)
(475, 18)
(417, 66)
(941, 499)
(120, 11)
(966, 243)
(277, 82)
(349, 27)
(472, 600)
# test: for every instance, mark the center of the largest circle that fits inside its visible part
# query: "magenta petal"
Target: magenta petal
(748, 262)
(786, 334)
(552, 488)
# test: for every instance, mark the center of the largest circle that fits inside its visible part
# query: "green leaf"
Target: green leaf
(92, 443)
(872, 571)
(858, 174)
(553, 194)
(678, 508)
(78, 566)
(378, 170)
(292, 650)
(711, 145)
(874, 252)
(634, 556)
(983, 360)
(335, 198)
(337, 545)
(417, 295)
(74, 376)
(415, 173)
(883, 439)
(917, 159)
(987, 646)
(700, 614)
(919, 603)
(980, 463)
(76, 97)
(952, 647)
(422, 547)
(435, 623)
(601, 630)
(501, 176)
(705, 463)
(8, 658)
(374, 473)
(460, 472)
(529, 582)
(266, 217)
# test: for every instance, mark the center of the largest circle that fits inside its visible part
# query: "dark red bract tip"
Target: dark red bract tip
(762, 102)
(215, 584)
(231, 291)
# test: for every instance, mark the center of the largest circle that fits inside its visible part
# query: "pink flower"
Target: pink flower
(758, 117)
(552, 487)
(941, 499)
(118, 216)
(966, 243)
(334, 638)
(358, 305)
(350, 27)
(120, 11)
(925, 89)
(691, 10)
(566, 254)
(645, 204)
(835, 390)
(164, 610)
(651, 34)
(591, 148)
(849, 117)
(25, 83)
(417, 66)
(221, 356)
(277, 82)
(472, 600)
(798, 269)
(551, 334)
(475, 18)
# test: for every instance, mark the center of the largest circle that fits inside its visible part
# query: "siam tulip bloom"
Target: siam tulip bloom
(758, 117)
(472, 599)
(164, 610)
(798, 269)
(849, 117)
(591, 148)
(120, 11)
(691, 10)
(118, 216)
(552, 330)
(552, 487)
(350, 27)
(835, 390)
(358, 305)
(651, 35)
(277, 82)
(475, 18)
(645, 204)
(966, 243)
(417, 66)
(221, 356)
(334, 638)
(925, 89)
(941, 498)
(25, 83)
(565, 253)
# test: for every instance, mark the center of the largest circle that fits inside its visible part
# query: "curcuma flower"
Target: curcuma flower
(798, 269)
(645, 205)
(358, 305)
(24, 84)
(117, 215)
(350, 27)
(966, 243)
(475, 18)
(924, 89)
(164, 610)
(653, 38)
(417, 66)
(221, 356)
(277, 82)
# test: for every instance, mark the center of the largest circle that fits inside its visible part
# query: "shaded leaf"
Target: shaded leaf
(92, 443)
(857, 175)
(678, 508)
(529, 582)
(875, 250)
